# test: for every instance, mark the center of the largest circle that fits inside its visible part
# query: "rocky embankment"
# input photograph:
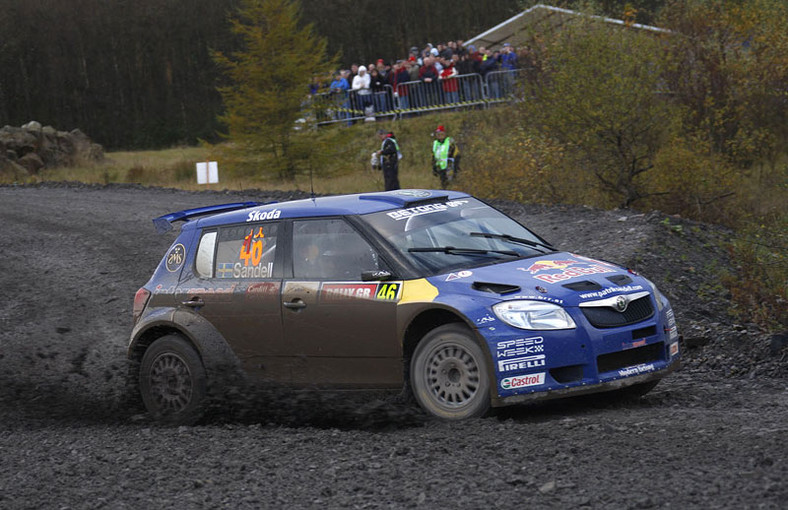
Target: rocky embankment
(25, 150)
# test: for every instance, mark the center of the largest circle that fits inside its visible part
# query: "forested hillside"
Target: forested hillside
(139, 74)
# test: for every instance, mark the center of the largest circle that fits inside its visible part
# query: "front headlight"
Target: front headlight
(661, 300)
(533, 315)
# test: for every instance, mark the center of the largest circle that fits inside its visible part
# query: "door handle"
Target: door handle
(193, 302)
(295, 304)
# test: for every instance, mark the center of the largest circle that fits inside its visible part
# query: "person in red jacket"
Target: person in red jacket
(429, 77)
(449, 83)
(398, 77)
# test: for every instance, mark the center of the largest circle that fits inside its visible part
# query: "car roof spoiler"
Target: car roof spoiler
(407, 200)
(164, 223)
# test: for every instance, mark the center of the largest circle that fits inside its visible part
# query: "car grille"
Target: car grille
(630, 357)
(608, 317)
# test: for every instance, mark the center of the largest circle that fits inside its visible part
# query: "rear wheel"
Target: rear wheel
(172, 381)
(448, 374)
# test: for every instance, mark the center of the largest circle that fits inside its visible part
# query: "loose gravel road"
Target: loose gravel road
(713, 435)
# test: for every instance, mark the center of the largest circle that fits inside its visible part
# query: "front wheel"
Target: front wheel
(172, 381)
(448, 374)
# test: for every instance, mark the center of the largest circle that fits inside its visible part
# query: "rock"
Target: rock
(778, 342)
(696, 342)
(54, 148)
(32, 162)
(18, 140)
(96, 152)
(10, 170)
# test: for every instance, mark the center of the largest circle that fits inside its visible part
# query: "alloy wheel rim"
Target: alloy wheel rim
(171, 383)
(452, 376)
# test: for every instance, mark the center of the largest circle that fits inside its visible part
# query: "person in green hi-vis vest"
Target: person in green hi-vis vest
(445, 157)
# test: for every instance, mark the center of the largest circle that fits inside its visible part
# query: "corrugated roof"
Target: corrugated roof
(513, 30)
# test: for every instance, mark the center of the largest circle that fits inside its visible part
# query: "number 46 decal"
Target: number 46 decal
(388, 291)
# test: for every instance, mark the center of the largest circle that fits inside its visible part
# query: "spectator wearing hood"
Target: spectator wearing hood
(361, 88)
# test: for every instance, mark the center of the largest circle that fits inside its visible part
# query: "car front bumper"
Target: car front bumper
(584, 389)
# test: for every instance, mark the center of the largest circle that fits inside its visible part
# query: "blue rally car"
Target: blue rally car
(434, 291)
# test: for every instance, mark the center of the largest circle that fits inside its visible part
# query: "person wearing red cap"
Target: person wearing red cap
(445, 157)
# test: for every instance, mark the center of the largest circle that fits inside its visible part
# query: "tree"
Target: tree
(730, 71)
(269, 81)
(598, 95)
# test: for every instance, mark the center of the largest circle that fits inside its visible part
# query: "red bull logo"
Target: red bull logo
(564, 271)
(544, 265)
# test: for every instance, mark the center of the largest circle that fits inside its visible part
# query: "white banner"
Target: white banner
(207, 172)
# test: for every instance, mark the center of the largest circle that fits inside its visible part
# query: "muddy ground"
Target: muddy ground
(712, 435)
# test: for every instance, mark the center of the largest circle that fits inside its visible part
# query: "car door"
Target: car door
(237, 287)
(342, 328)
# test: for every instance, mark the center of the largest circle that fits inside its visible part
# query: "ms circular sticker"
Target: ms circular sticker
(175, 257)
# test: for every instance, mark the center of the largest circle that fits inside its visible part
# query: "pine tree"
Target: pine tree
(269, 81)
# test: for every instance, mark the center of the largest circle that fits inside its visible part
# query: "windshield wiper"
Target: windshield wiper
(513, 239)
(451, 250)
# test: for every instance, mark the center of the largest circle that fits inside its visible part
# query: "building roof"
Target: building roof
(514, 30)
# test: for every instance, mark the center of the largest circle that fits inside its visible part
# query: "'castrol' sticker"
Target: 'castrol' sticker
(521, 381)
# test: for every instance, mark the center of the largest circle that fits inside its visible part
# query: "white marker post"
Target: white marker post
(207, 172)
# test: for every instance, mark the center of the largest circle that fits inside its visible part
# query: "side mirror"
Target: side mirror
(375, 276)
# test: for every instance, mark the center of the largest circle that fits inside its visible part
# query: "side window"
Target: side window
(331, 250)
(205, 251)
(246, 251)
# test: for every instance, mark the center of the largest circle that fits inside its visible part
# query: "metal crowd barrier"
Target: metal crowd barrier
(353, 105)
(458, 91)
(414, 97)
(500, 85)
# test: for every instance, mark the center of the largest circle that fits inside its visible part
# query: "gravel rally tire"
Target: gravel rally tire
(449, 375)
(172, 381)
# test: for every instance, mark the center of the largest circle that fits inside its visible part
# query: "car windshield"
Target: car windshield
(442, 237)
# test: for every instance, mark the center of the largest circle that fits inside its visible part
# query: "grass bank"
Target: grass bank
(347, 170)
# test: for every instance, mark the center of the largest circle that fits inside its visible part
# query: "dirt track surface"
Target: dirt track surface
(712, 435)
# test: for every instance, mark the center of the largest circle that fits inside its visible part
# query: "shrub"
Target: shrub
(759, 288)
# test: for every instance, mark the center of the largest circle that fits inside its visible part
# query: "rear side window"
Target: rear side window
(205, 251)
(246, 251)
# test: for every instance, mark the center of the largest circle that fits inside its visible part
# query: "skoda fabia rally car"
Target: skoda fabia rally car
(434, 291)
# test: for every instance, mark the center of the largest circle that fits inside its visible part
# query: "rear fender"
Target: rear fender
(222, 366)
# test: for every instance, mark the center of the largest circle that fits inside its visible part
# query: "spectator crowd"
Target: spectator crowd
(434, 75)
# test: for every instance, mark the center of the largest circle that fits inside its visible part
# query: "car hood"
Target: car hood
(562, 278)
